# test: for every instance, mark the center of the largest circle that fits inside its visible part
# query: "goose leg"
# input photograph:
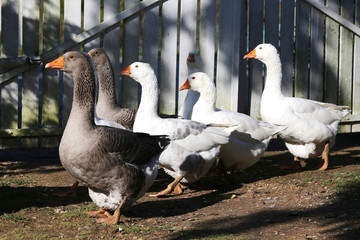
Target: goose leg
(114, 219)
(70, 193)
(296, 165)
(220, 167)
(170, 188)
(99, 213)
(325, 158)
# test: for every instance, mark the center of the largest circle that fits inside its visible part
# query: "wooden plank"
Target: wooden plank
(356, 80)
(316, 78)
(150, 38)
(244, 88)
(50, 79)
(130, 88)
(78, 39)
(346, 60)
(167, 86)
(346, 23)
(92, 10)
(272, 22)
(287, 46)
(111, 40)
(187, 43)
(72, 25)
(255, 67)
(9, 48)
(30, 84)
(302, 50)
(207, 35)
(331, 55)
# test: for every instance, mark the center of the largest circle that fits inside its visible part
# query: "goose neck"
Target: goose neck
(84, 96)
(273, 76)
(149, 95)
(107, 93)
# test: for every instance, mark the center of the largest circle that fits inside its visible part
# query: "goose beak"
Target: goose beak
(89, 53)
(186, 85)
(56, 64)
(126, 71)
(251, 54)
(191, 57)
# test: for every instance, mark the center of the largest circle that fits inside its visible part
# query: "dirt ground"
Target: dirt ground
(263, 202)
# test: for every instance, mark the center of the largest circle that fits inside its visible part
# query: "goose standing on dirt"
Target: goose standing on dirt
(106, 105)
(117, 165)
(249, 139)
(194, 145)
(311, 126)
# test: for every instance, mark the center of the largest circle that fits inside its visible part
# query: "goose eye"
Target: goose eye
(260, 48)
(193, 78)
(136, 66)
(71, 57)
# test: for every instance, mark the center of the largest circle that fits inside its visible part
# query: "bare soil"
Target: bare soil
(263, 202)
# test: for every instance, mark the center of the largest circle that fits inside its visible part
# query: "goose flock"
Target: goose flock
(116, 152)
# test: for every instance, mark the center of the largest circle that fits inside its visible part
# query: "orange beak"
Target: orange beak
(251, 54)
(89, 53)
(191, 57)
(186, 85)
(126, 71)
(56, 64)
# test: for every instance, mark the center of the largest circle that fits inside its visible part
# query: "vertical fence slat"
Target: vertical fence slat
(168, 57)
(111, 40)
(207, 35)
(150, 38)
(331, 55)
(91, 19)
(345, 57)
(272, 22)
(301, 49)
(72, 22)
(30, 78)
(130, 88)
(356, 84)
(287, 46)
(9, 48)
(316, 55)
(50, 86)
(187, 42)
(255, 67)
(225, 50)
(243, 104)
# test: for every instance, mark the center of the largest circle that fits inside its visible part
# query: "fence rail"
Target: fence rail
(318, 42)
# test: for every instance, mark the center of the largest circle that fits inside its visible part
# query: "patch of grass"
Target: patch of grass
(79, 212)
(344, 183)
(16, 181)
(21, 233)
(308, 180)
(13, 217)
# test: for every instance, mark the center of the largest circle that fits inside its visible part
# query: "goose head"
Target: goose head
(264, 52)
(98, 56)
(193, 61)
(71, 62)
(139, 71)
(197, 81)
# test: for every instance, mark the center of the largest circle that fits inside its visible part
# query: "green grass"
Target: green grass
(79, 212)
(18, 181)
(308, 180)
(13, 217)
(344, 183)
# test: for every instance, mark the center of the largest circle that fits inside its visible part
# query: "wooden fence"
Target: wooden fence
(319, 49)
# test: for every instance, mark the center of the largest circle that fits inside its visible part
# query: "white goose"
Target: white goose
(194, 145)
(311, 126)
(249, 140)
